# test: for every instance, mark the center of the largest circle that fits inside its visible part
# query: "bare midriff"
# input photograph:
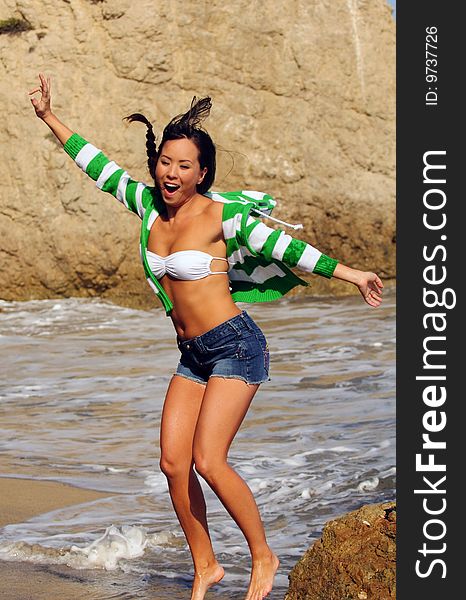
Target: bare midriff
(200, 304)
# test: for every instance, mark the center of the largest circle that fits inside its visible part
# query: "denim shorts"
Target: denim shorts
(235, 349)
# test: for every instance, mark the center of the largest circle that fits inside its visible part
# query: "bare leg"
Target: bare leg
(224, 406)
(179, 418)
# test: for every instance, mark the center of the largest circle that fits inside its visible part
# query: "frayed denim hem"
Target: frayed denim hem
(240, 379)
(191, 378)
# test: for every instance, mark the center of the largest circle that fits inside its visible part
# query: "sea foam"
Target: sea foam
(106, 552)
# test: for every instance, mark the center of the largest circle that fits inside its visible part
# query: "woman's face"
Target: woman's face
(178, 171)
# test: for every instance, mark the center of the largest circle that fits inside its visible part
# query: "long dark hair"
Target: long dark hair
(186, 125)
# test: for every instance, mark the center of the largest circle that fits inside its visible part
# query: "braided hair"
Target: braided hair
(151, 147)
(186, 125)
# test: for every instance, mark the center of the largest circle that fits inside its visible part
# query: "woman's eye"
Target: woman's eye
(184, 167)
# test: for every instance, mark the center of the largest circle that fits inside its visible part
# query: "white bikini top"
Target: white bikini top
(184, 264)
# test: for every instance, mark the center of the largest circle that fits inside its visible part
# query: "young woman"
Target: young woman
(202, 252)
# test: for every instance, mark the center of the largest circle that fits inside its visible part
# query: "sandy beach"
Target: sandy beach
(21, 499)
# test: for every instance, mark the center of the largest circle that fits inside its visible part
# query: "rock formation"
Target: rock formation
(303, 108)
(354, 559)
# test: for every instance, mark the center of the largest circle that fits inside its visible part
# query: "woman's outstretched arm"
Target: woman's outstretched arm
(276, 244)
(44, 111)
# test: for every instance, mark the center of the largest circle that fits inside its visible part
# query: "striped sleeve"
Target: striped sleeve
(109, 177)
(278, 245)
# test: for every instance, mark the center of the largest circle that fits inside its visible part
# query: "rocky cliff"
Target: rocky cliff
(303, 108)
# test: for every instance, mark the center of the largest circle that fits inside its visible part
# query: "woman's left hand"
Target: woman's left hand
(370, 286)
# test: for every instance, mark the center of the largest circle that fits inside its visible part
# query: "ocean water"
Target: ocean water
(81, 392)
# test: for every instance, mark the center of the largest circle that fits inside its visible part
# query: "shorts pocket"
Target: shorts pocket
(247, 348)
(223, 345)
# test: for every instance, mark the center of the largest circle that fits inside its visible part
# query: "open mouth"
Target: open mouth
(170, 187)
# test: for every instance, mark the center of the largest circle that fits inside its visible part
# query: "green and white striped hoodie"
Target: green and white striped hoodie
(259, 256)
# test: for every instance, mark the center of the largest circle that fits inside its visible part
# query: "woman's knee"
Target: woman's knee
(173, 467)
(208, 466)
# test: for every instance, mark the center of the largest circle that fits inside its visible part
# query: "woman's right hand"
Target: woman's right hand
(43, 110)
(42, 105)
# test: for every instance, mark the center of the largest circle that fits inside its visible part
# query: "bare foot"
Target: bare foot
(263, 572)
(203, 580)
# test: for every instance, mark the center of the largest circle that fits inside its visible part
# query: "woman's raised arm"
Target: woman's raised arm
(109, 177)
(43, 110)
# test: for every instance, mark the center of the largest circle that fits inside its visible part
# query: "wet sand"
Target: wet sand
(24, 581)
(21, 499)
